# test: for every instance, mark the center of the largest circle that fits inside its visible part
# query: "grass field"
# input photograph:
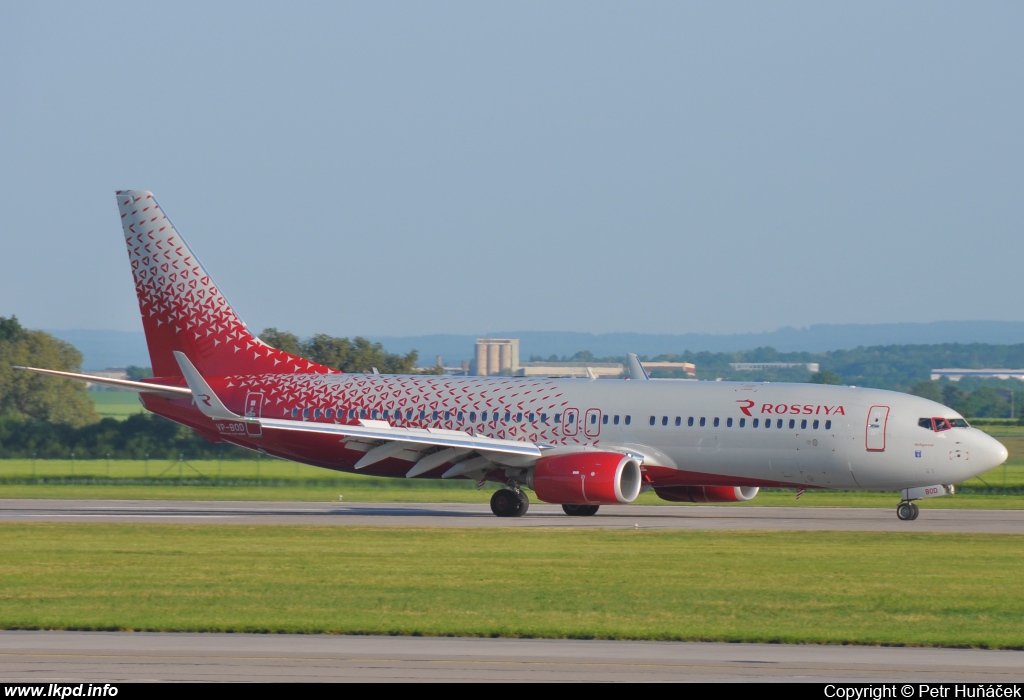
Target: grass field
(116, 404)
(860, 588)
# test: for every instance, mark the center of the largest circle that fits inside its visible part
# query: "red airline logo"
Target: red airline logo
(806, 409)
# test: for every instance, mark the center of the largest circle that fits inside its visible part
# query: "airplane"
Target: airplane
(579, 443)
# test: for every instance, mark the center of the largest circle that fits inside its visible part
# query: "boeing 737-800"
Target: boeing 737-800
(575, 442)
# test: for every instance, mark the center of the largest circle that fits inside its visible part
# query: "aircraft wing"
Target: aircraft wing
(388, 440)
(174, 392)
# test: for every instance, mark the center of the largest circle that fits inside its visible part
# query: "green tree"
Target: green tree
(135, 373)
(357, 355)
(927, 390)
(282, 340)
(29, 395)
(825, 377)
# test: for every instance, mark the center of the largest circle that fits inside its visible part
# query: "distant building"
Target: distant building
(688, 368)
(109, 373)
(754, 366)
(571, 369)
(954, 375)
(497, 356)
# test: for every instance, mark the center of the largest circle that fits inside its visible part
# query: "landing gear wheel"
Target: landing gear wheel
(524, 504)
(572, 509)
(906, 511)
(917, 511)
(505, 503)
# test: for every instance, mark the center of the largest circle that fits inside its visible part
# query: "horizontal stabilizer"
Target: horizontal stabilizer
(175, 392)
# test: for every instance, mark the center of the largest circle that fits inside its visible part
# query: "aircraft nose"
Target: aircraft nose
(987, 452)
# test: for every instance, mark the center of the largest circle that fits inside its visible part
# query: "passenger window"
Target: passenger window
(679, 421)
(664, 420)
(508, 417)
(351, 414)
(572, 417)
(716, 422)
(803, 424)
(779, 424)
(815, 425)
(386, 414)
(728, 423)
(616, 421)
(519, 418)
(460, 415)
(305, 413)
(652, 420)
(703, 421)
(756, 421)
(329, 412)
(295, 413)
(408, 414)
(376, 414)
(768, 423)
(529, 417)
(447, 415)
(604, 419)
(689, 421)
(362, 413)
(593, 419)
(792, 423)
(743, 422)
(828, 425)
(543, 418)
(436, 414)
(628, 419)
(558, 418)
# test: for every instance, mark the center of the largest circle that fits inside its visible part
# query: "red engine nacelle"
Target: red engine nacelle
(706, 494)
(587, 478)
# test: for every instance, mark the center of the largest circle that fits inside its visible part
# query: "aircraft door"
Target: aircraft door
(570, 422)
(254, 409)
(592, 423)
(874, 432)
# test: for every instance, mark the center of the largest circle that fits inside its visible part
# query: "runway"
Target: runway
(540, 515)
(127, 656)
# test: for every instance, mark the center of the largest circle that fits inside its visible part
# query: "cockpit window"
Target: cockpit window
(940, 424)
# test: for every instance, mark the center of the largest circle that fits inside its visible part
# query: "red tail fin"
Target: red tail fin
(182, 309)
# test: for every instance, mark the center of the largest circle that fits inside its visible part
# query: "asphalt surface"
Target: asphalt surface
(54, 657)
(540, 515)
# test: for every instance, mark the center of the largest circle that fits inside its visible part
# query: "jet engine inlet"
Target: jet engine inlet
(706, 494)
(587, 478)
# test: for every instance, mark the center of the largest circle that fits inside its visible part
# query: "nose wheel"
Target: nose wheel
(907, 510)
(506, 503)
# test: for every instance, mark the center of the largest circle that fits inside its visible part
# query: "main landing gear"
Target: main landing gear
(506, 503)
(907, 510)
(571, 509)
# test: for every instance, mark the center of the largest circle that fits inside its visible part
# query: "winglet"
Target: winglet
(207, 401)
(636, 370)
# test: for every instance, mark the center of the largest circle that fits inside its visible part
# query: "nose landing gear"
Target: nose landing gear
(907, 510)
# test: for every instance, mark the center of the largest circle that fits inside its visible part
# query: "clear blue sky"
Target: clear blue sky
(430, 167)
